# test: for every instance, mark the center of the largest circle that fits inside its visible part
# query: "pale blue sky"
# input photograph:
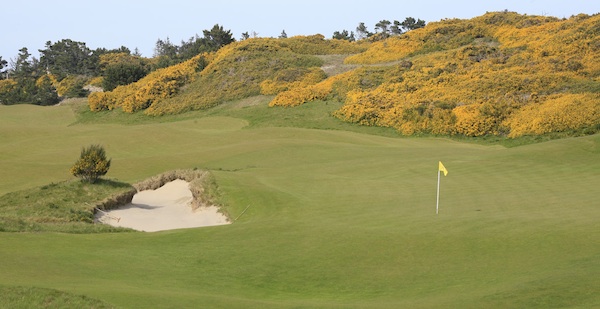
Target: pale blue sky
(139, 23)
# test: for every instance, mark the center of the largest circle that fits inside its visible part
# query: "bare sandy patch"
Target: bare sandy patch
(166, 208)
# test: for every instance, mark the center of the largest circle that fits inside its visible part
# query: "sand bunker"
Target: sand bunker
(166, 208)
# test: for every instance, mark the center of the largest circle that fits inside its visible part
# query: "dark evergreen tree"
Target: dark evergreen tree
(396, 28)
(3, 64)
(194, 46)
(217, 37)
(169, 54)
(411, 24)
(362, 32)
(23, 67)
(45, 93)
(67, 57)
(383, 27)
(122, 74)
(165, 48)
(344, 35)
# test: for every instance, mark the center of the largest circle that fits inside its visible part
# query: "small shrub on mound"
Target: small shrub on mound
(92, 164)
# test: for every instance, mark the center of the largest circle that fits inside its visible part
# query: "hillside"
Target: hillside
(502, 74)
(236, 71)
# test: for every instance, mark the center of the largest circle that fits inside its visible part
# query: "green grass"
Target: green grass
(339, 217)
(27, 297)
(66, 206)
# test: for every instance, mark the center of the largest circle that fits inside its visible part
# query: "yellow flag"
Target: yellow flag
(442, 168)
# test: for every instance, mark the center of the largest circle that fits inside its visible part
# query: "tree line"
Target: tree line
(31, 80)
(168, 54)
(66, 66)
(383, 30)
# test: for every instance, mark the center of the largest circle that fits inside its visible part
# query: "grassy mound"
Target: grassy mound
(61, 207)
(70, 206)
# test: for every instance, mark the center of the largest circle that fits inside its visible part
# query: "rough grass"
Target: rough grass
(67, 206)
(202, 185)
(28, 297)
(337, 218)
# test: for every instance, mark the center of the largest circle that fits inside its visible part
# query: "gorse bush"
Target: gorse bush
(558, 113)
(158, 85)
(303, 94)
(72, 86)
(39, 91)
(292, 78)
(499, 74)
(92, 164)
(475, 77)
(237, 71)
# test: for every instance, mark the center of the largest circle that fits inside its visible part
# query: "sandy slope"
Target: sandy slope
(166, 208)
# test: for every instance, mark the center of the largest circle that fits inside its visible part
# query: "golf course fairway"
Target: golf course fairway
(334, 218)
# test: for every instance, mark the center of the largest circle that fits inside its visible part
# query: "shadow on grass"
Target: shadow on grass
(112, 183)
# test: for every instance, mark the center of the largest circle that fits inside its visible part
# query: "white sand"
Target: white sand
(166, 208)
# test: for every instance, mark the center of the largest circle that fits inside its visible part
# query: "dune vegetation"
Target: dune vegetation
(501, 74)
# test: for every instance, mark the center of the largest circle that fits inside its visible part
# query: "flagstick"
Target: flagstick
(437, 204)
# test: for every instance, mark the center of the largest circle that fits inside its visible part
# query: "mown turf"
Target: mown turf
(337, 219)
